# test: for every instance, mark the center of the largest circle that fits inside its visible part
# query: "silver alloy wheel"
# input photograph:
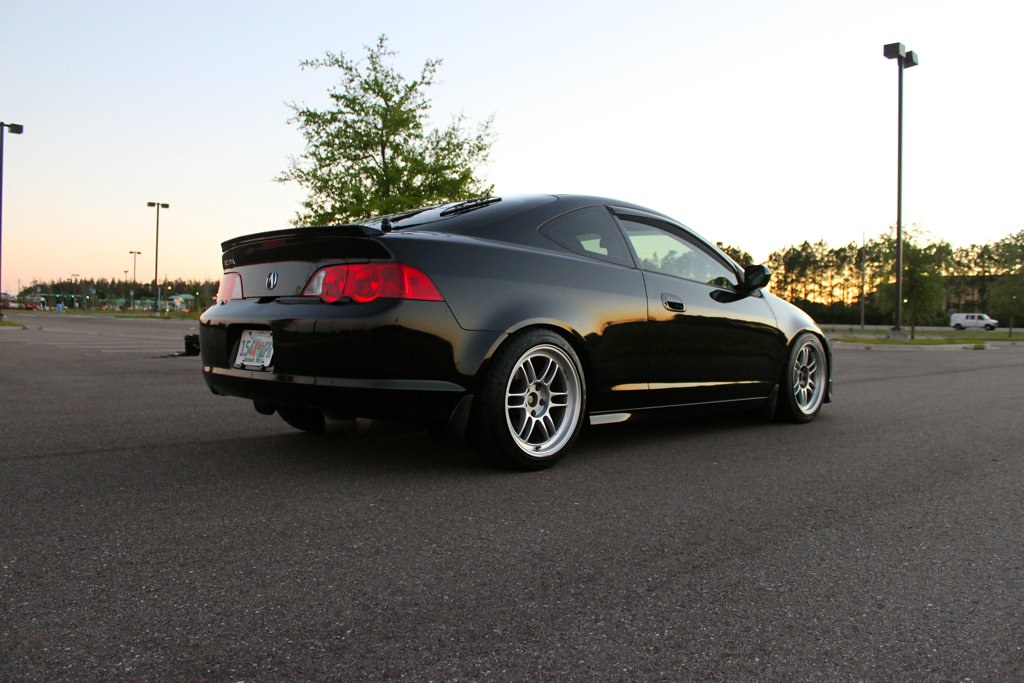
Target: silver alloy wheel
(543, 401)
(808, 377)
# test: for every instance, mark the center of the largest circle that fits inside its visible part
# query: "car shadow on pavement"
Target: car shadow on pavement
(369, 454)
(396, 451)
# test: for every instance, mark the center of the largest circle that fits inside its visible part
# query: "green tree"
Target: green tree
(1009, 253)
(924, 290)
(736, 254)
(1007, 298)
(372, 153)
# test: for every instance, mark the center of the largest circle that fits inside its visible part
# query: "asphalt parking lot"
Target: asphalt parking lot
(151, 530)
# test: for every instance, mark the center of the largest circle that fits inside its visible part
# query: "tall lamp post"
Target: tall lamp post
(904, 60)
(135, 263)
(16, 129)
(156, 256)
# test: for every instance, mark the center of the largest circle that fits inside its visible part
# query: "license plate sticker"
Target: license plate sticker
(255, 348)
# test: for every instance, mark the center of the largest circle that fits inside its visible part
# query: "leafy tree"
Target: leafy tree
(923, 286)
(1007, 298)
(1009, 253)
(799, 264)
(846, 271)
(372, 152)
(961, 280)
(736, 254)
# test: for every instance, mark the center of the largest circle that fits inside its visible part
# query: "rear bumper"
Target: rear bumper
(389, 359)
(383, 399)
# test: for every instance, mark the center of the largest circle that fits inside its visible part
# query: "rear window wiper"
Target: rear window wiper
(409, 214)
(387, 222)
(470, 205)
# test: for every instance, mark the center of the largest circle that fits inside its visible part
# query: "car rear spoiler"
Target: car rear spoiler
(345, 242)
(290, 234)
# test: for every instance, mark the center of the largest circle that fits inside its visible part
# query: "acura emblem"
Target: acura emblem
(272, 281)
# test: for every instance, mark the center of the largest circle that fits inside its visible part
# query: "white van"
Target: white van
(967, 320)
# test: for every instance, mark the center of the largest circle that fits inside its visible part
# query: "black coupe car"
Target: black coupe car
(511, 321)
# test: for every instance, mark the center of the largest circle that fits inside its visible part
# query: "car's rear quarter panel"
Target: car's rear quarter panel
(501, 287)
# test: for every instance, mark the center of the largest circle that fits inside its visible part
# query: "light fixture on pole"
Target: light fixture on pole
(904, 60)
(16, 129)
(156, 256)
(135, 259)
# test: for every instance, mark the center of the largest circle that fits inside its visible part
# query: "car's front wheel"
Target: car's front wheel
(530, 404)
(804, 380)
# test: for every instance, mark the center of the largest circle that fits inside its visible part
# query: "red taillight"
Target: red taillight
(365, 282)
(230, 288)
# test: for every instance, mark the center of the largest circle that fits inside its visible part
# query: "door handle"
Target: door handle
(673, 303)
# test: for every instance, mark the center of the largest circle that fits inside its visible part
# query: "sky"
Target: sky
(758, 123)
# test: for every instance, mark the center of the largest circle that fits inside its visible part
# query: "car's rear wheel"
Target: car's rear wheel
(529, 408)
(958, 326)
(804, 380)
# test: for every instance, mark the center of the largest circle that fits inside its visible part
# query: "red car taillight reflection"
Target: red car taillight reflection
(365, 282)
(230, 288)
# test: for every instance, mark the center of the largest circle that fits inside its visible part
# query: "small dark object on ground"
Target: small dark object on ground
(191, 344)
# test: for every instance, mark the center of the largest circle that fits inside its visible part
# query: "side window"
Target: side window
(590, 232)
(663, 249)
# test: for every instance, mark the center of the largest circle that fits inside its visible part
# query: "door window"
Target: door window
(663, 249)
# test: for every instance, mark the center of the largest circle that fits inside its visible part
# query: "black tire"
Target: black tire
(990, 328)
(804, 381)
(530, 404)
(958, 327)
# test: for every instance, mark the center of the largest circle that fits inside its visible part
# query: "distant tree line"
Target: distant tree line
(836, 285)
(840, 284)
(95, 294)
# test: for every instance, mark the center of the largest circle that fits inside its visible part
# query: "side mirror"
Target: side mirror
(755, 277)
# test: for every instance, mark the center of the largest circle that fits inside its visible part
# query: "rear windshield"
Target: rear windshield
(485, 210)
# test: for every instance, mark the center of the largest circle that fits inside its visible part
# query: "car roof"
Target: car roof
(461, 217)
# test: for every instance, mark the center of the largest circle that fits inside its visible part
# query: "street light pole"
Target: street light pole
(156, 256)
(904, 60)
(135, 260)
(16, 129)
(135, 263)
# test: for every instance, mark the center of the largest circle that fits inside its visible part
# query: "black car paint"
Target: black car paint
(498, 275)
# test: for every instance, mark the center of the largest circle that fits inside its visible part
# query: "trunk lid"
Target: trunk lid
(280, 262)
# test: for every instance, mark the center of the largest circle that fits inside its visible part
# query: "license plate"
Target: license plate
(256, 347)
